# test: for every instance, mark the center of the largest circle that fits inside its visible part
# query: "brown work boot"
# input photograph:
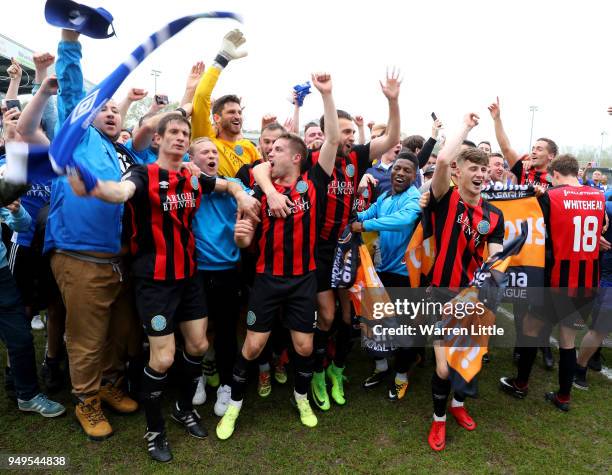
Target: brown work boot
(93, 421)
(112, 395)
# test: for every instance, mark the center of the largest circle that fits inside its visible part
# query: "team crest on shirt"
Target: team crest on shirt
(251, 318)
(483, 227)
(158, 323)
(350, 170)
(301, 186)
(163, 185)
(239, 150)
(194, 182)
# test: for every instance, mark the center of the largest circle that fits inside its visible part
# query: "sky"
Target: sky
(455, 57)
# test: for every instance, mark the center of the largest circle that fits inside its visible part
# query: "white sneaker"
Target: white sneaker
(224, 394)
(37, 323)
(199, 397)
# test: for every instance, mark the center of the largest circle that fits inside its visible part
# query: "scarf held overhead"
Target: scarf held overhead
(28, 163)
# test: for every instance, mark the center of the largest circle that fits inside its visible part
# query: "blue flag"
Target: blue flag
(60, 159)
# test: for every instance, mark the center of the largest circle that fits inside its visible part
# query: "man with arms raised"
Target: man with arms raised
(285, 276)
(542, 153)
(234, 151)
(350, 165)
(463, 225)
(531, 170)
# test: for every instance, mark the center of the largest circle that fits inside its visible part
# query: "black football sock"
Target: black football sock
(440, 390)
(152, 386)
(567, 366)
(190, 370)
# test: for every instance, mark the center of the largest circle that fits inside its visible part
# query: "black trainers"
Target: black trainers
(52, 374)
(508, 385)
(375, 379)
(191, 421)
(158, 446)
(547, 358)
(594, 363)
(554, 398)
(580, 381)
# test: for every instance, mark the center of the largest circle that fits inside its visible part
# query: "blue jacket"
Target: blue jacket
(394, 217)
(19, 222)
(213, 227)
(74, 223)
(33, 201)
(382, 175)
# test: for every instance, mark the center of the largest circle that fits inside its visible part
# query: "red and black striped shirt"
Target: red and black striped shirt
(157, 221)
(461, 232)
(574, 217)
(364, 199)
(530, 176)
(341, 189)
(286, 246)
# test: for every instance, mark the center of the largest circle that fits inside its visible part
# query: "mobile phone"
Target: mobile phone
(161, 100)
(433, 116)
(12, 103)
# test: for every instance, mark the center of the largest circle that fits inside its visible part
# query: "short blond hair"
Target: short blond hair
(198, 141)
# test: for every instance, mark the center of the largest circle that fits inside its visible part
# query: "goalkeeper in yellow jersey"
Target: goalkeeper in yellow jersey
(234, 151)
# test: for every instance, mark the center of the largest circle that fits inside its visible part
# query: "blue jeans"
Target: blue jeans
(16, 334)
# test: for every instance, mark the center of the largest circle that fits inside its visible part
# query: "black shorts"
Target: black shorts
(295, 296)
(163, 304)
(325, 263)
(563, 309)
(601, 320)
(33, 275)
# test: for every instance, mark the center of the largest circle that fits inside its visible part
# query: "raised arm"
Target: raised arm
(425, 152)
(361, 139)
(200, 122)
(144, 134)
(133, 95)
(30, 118)
(69, 74)
(14, 71)
(296, 115)
(440, 182)
(329, 149)
(391, 90)
(193, 80)
(500, 134)
(42, 63)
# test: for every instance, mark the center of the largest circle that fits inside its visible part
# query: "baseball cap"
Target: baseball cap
(429, 170)
(92, 22)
